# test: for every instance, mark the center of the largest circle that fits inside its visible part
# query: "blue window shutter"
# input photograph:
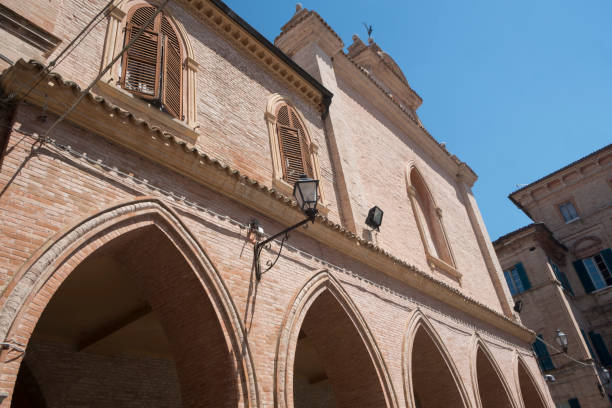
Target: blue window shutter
(573, 403)
(600, 348)
(606, 254)
(541, 351)
(586, 340)
(565, 282)
(509, 282)
(584, 276)
(523, 275)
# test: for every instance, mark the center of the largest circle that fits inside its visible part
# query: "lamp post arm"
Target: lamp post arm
(259, 246)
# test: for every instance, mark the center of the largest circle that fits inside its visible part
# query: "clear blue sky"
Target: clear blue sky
(516, 88)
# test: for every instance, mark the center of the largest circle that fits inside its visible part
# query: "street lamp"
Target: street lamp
(562, 340)
(306, 194)
(605, 375)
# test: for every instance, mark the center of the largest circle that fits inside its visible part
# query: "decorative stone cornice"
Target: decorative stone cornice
(308, 26)
(121, 127)
(217, 15)
(563, 179)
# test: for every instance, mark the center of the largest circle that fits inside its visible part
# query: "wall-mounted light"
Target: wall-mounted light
(374, 219)
(550, 378)
(562, 340)
(605, 375)
(306, 194)
(518, 306)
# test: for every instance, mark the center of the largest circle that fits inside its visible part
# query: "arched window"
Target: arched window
(429, 222)
(293, 145)
(153, 66)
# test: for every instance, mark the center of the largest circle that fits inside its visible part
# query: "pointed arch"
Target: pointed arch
(32, 287)
(418, 325)
(290, 128)
(490, 382)
(323, 284)
(529, 391)
(428, 217)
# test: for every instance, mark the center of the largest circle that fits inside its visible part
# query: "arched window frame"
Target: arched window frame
(118, 18)
(431, 230)
(275, 102)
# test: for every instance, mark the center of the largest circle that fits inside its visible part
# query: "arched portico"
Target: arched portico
(178, 281)
(530, 392)
(431, 378)
(325, 336)
(490, 386)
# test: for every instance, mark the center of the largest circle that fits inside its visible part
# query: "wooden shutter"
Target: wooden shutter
(141, 65)
(600, 348)
(295, 156)
(541, 351)
(584, 276)
(171, 96)
(523, 275)
(588, 343)
(509, 283)
(573, 403)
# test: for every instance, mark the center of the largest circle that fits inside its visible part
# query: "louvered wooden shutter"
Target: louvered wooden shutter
(172, 71)
(542, 353)
(600, 348)
(584, 276)
(523, 275)
(141, 65)
(293, 146)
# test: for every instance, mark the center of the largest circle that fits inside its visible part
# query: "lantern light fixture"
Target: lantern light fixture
(306, 194)
(562, 340)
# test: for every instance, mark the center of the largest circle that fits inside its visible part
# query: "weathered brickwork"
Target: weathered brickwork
(551, 304)
(346, 317)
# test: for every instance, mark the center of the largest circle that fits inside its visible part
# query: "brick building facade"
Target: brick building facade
(560, 268)
(128, 227)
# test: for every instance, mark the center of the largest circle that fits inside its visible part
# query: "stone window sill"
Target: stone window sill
(436, 263)
(146, 111)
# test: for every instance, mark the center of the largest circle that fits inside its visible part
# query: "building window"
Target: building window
(293, 144)
(561, 276)
(595, 271)
(152, 67)
(429, 221)
(600, 348)
(571, 403)
(293, 151)
(544, 360)
(568, 211)
(517, 279)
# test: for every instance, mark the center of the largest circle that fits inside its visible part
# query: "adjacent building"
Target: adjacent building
(559, 269)
(148, 146)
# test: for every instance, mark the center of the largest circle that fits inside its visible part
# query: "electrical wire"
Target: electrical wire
(67, 50)
(180, 201)
(107, 68)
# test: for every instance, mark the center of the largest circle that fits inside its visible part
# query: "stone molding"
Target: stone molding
(322, 281)
(27, 31)
(209, 13)
(54, 261)
(121, 127)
